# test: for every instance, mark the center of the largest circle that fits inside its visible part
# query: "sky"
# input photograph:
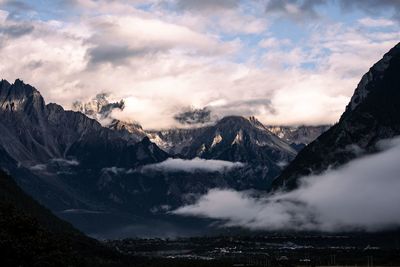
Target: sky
(286, 62)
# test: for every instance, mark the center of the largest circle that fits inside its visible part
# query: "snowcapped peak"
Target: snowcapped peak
(99, 107)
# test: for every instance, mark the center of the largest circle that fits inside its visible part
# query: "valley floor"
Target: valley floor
(271, 250)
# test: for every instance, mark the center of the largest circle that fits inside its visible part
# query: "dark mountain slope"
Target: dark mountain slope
(30, 235)
(12, 194)
(373, 114)
(93, 145)
(44, 142)
(33, 132)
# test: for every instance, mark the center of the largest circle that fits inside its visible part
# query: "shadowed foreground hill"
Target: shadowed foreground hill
(30, 235)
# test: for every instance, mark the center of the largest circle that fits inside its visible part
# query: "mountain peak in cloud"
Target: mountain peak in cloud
(193, 116)
(99, 106)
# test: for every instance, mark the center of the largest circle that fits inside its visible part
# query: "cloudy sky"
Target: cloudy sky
(286, 62)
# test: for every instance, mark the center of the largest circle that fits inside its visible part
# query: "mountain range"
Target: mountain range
(174, 140)
(112, 178)
(83, 170)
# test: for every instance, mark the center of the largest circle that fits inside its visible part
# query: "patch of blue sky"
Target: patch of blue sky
(308, 65)
(333, 12)
(250, 48)
(288, 29)
(145, 6)
(39, 9)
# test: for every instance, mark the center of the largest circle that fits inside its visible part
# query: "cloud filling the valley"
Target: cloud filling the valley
(362, 195)
(193, 165)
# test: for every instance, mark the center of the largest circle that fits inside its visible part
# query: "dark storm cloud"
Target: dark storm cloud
(211, 113)
(114, 54)
(16, 30)
(35, 64)
(192, 116)
(372, 6)
(18, 5)
(304, 9)
(207, 4)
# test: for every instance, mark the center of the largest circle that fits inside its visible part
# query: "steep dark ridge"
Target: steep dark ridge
(48, 148)
(33, 132)
(94, 145)
(372, 115)
(20, 97)
(23, 118)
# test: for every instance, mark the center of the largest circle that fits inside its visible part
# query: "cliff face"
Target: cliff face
(372, 115)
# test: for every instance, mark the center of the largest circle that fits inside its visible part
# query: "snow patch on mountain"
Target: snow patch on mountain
(217, 139)
(298, 134)
(238, 138)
